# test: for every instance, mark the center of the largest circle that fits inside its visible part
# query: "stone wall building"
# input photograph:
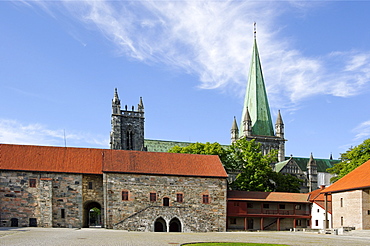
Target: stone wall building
(130, 190)
(350, 199)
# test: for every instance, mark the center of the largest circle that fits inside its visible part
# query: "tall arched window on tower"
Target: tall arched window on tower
(129, 139)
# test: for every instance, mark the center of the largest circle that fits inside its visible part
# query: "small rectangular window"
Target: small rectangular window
(124, 195)
(233, 221)
(153, 196)
(281, 206)
(266, 205)
(368, 212)
(341, 202)
(249, 205)
(32, 183)
(298, 207)
(205, 199)
(62, 213)
(298, 222)
(341, 221)
(316, 223)
(179, 197)
(90, 186)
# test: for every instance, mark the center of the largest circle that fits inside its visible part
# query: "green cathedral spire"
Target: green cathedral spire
(256, 99)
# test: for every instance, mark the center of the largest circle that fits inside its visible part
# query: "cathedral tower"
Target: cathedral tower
(312, 174)
(127, 126)
(256, 122)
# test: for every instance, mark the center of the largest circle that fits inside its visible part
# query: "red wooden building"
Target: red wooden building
(253, 210)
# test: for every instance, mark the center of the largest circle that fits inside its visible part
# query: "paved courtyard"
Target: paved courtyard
(55, 236)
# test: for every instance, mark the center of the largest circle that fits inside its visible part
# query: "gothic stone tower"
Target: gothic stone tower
(256, 120)
(312, 174)
(127, 126)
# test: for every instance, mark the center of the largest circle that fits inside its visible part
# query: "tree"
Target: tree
(256, 173)
(351, 159)
(253, 168)
(202, 149)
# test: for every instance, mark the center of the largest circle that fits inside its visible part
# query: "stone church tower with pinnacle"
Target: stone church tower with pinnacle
(127, 126)
(256, 120)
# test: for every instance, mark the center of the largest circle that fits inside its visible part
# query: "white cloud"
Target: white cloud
(13, 132)
(213, 40)
(362, 131)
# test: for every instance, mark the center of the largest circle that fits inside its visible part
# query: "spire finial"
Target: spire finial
(255, 30)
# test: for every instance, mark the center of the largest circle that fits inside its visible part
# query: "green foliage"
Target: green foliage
(255, 169)
(286, 182)
(202, 149)
(246, 158)
(351, 159)
(96, 211)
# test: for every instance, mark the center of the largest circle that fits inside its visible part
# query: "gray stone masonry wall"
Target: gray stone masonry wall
(53, 192)
(17, 199)
(46, 202)
(139, 214)
(67, 195)
(96, 193)
(92, 196)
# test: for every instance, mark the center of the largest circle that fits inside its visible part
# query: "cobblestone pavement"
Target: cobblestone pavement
(56, 236)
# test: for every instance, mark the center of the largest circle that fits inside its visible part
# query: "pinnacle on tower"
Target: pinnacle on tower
(116, 103)
(234, 131)
(140, 106)
(279, 126)
(247, 123)
(235, 125)
(116, 98)
(279, 120)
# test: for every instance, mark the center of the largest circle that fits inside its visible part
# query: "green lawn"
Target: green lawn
(233, 244)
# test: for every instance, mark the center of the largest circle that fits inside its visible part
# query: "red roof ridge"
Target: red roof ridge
(357, 179)
(97, 161)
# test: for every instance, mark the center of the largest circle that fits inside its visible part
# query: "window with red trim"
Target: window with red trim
(153, 196)
(179, 197)
(205, 199)
(125, 195)
(32, 182)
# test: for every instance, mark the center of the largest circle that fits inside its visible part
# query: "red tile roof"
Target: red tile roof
(50, 159)
(267, 196)
(97, 161)
(317, 197)
(163, 163)
(357, 179)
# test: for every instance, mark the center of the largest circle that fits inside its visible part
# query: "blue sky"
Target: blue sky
(61, 60)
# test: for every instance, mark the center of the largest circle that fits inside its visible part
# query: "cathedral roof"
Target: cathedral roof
(357, 179)
(256, 99)
(322, 164)
(97, 161)
(258, 196)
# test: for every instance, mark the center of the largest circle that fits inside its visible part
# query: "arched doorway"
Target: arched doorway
(175, 225)
(92, 214)
(160, 225)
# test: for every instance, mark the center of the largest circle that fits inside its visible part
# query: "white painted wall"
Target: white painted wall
(318, 214)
